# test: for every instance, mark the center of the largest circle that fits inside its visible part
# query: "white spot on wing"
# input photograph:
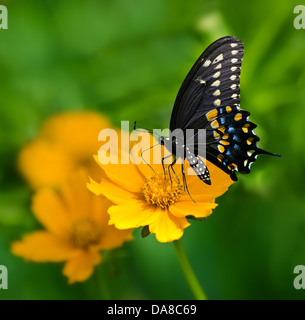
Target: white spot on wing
(233, 45)
(233, 77)
(234, 60)
(218, 58)
(216, 93)
(234, 52)
(217, 102)
(233, 86)
(216, 75)
(215, 83)
(201, 81)
(207, 63)
(218, 66)
(233, 68)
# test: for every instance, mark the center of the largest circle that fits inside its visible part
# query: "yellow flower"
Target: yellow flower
(142, 196)
(77, 229)
(45, 164)
(66, 141)
(76, 131)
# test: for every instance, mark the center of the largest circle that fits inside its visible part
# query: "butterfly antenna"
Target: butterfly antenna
(145, 160)
(140, 129)
(136, 128)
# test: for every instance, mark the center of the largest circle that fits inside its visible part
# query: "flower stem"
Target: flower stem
(100, 281)
(189, 274)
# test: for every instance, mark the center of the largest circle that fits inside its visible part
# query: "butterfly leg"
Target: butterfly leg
(169, 173)
(171, 166)
(184, 182)
(163, 166)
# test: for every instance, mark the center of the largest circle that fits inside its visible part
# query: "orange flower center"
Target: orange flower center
(162, 192)
(84, 232)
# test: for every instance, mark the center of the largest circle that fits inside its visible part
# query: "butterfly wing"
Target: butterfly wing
(217, 67)
(209, 99)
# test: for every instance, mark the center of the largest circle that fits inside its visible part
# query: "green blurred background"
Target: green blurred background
(127, 60)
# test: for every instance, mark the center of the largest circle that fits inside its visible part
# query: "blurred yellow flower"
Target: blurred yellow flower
(75, 131)
(144, 197)
(45, 164)
(66, 141)
(77, 229)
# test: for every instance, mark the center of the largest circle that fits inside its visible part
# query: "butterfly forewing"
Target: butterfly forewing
(213, 81)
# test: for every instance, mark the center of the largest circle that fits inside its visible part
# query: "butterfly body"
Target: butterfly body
(208, 103)
(185, 151)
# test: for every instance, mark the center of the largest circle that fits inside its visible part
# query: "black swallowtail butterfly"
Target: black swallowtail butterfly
(209, 99)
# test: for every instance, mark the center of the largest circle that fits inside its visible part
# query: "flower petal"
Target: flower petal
(124, 175)
(49, 210)
(44, 164)
(80, 267)
(95, 171)
(114, 193)
(76, 197)
(98, 210)
(220, 182)
(42, 246)
(76, 131)
(132, 215)
(198, 209)
(114, 238)
(196, 196)
(168, 227)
